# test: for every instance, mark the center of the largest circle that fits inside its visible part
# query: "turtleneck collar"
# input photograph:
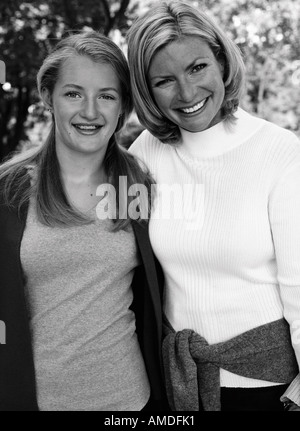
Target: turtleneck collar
(221, 137)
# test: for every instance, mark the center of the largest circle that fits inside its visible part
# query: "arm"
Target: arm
(291, 396)
(284, 212)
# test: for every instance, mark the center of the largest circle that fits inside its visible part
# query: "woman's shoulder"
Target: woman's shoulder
(279, 149)
(269, 131)
(272, 142)
(279, 133)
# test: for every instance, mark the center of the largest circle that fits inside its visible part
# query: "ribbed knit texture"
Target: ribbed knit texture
(235, 265)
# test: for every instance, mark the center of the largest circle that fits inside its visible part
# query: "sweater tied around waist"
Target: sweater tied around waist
(192, 366)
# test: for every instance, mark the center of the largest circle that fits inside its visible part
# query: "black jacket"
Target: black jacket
(17, 374)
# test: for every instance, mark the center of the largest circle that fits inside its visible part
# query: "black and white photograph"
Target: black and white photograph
(150, 208)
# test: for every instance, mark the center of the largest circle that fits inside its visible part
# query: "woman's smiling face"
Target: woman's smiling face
(86, 104)
(186, 82)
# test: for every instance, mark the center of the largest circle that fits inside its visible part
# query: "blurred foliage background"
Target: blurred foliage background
(267, 31)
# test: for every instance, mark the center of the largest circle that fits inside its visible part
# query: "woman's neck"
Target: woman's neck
(221, 137)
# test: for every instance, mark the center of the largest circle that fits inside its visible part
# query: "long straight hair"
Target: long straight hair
(52, 205)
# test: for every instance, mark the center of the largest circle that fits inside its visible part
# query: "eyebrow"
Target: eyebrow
(186, 69)
(78, 87)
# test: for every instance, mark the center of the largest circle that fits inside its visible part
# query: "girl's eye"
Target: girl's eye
(72, 95)
(198, 67)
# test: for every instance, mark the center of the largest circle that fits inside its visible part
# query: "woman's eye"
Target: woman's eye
(198, 67)
(107, 97)
(72, 95)
(163, 82)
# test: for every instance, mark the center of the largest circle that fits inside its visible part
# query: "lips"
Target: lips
(87, 127)
(194, 108)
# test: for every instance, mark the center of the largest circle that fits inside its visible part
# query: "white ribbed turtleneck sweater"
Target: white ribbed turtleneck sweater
(236, 264)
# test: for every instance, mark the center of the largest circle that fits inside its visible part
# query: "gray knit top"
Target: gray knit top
(86, 352)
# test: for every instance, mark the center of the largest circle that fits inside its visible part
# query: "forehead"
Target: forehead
(181, 52)
(83, 71)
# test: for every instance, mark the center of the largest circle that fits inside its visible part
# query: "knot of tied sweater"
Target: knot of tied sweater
(192, 366)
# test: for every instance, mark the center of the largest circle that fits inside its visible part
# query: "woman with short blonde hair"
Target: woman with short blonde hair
(229, 239)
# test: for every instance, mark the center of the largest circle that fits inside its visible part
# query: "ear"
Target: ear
(47, 99)
(222, 67)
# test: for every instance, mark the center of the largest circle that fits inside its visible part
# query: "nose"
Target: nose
(186, 91)
(89, 109)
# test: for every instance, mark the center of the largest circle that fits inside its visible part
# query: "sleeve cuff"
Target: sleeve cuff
(293, 391)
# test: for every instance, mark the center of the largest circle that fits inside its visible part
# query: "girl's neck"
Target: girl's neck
(81, 177)
(80, 169)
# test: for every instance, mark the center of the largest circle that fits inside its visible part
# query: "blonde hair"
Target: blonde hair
(163, 24)
(53, 207)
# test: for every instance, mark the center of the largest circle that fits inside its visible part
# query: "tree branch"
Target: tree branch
(108, 18)
(120, 14)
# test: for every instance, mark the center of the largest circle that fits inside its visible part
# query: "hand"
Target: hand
(292, 407)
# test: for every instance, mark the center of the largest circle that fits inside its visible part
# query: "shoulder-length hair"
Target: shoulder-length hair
(161, 25)
(52, 205)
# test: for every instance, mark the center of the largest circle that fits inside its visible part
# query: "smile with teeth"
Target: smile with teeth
(194, 108)
(89, 127)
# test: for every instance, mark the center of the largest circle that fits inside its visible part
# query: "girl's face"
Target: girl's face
(186, 81)
(86, 103)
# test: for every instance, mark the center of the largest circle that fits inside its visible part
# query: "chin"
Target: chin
(195, 129)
